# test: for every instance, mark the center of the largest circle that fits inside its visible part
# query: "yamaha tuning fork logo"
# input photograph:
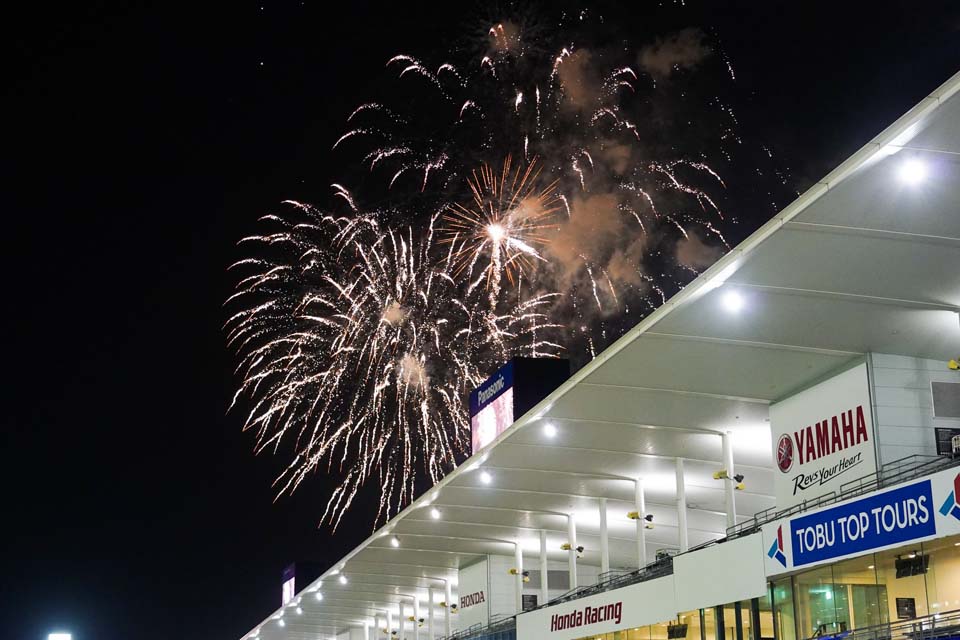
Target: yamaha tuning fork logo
(785, 453)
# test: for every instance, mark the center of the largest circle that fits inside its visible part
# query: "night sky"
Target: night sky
(141, 141)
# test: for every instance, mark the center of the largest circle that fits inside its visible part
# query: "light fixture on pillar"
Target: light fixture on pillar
(566, 547)
(648, 518)
(737, 478)
(524, 574)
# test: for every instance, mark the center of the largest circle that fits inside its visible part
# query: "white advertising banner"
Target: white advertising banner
(473, 594)
(914, 511)
(748, 581)
(634, 606)
(823, 437)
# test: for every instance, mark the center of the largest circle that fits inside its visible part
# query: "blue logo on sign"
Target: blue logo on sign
(895, 516)
(950, 506)
(776, 549)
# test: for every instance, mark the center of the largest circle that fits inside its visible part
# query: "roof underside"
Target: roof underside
(861, 262)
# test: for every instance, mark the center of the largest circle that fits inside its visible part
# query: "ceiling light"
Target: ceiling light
(299, 611)
(913, 171)
(394, 541)
(59, 636)
(732, 301)
(281, 622)
(435, 513)
(343, 579)
(871, 567)
(485, 477)
(319, 596)
(549, 430)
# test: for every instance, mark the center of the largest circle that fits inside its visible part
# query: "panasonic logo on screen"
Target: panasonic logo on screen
(496, 387)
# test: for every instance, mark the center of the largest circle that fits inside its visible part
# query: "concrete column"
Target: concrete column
(448, 594)
(431, 630)
(544, 569)
(518, 582)
(366, 630)
(728, 484)
(402, 630)
(377, 625)
(572, 555)
(416, 618)
(682, 507)
(389, 623)
(641, 505)
(604, 540)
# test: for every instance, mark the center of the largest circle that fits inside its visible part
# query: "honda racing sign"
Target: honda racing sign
(823, 437)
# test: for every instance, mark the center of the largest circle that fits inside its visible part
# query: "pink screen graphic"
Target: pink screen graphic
(492, 420)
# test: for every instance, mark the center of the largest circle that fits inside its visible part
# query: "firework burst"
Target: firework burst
(582, 178)
(358, 350)
(509, 217)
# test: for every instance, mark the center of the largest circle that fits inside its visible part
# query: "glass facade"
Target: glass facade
(901, 584)
(828, 600)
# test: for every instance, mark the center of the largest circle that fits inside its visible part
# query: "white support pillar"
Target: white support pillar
(572, 555)
(682, 508)
(376, 627)
(729, 483)
(604, 540)
(448, 593)
(431, 629)
(544, 569)
(389, 624)
(402, 630)
(366, 630)
(518, 582)
(641, 505)
(416, 618)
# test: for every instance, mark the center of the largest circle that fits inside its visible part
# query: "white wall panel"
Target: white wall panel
(720, 574)
(904, 417)
(472, 599)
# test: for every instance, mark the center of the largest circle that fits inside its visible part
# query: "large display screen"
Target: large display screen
(492, 407)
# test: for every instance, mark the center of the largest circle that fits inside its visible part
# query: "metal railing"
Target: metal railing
(500, 628)
(939, 626)
(892, 473)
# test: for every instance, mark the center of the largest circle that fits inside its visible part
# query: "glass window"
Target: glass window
(822, 609)
(908, 591)
(765, 632)
(943, 574)
(866, 600)
(785, 613)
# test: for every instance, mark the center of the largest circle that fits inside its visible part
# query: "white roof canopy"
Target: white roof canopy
(864, 261)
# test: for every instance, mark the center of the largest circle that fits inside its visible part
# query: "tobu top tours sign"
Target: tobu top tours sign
(823, 437)
(910, 512)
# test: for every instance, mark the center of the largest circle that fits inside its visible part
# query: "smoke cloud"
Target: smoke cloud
(684, 49)
(694, 253)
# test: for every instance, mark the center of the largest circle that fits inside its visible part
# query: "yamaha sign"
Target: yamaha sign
(823, 437)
